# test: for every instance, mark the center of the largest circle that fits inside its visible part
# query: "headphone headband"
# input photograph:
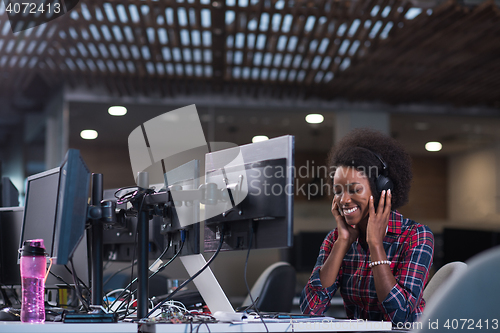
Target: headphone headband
(382, 182)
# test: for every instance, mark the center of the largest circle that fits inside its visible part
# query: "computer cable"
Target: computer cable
(77, 288)
(162, 267)
(183, 238)
(169, 297)
(83, 283)
(12, 290)
(60, 279)
(6, 299)
(250, 243)
(118, 272)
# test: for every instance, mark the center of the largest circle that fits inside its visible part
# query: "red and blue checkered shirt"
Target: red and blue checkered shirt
(408, 245)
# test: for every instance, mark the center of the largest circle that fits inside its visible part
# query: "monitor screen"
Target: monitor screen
(259, 196)
(40, 208)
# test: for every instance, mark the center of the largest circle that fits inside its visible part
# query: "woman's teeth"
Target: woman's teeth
(349, 211)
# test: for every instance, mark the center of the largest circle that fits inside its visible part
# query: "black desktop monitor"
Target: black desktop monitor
(11, 221)
(42, 200)
(304, 253)
(40, 208)
(9, 195)
(257, 194)
(462, 244)
(72, 203)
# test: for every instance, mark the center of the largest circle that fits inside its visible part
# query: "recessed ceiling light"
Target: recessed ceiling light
(433, 146)
(259, 138)
(117, 110)
(315, 118)
(88, 134)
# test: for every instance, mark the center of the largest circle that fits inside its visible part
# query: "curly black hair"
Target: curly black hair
(355, 150)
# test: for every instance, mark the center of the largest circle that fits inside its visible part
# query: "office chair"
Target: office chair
(275, 289)
(441, 276)
(470, 294)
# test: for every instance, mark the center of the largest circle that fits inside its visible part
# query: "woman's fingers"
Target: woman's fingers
(387, 208)
(381, 203)
(335, 209)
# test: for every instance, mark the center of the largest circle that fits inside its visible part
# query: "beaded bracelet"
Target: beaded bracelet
(380, 262)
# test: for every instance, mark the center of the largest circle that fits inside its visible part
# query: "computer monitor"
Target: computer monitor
(72, 206)
(304, 253)
(40, 208)
(268, 191)
(9, 195)
(11, 221)
(40, 216)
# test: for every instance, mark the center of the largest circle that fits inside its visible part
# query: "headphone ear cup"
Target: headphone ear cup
(384, 183)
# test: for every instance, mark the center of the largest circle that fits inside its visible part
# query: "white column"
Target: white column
(57, 130)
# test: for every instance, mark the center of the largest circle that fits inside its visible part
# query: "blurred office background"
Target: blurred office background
(421, 71)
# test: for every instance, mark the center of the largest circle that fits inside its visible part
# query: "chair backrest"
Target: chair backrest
(471, 294)
(441, 276)
(275, 288)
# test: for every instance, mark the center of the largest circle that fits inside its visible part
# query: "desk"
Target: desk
(324, 325)
(51, 327)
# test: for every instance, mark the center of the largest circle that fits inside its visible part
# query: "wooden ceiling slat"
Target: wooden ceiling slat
(218, 19)
(318, 32)
(299, 32)
(447, 57)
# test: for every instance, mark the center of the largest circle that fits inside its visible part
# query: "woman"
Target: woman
(378, 259)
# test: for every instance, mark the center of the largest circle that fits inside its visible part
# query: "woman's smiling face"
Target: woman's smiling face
(352, 194)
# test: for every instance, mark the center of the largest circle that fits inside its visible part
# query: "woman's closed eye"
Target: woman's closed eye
(356, 190)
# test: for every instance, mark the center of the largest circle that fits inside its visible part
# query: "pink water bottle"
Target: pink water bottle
(33, 265)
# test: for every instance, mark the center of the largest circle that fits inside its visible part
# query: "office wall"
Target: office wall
(112, 161)
(473, 189)
(428, 201)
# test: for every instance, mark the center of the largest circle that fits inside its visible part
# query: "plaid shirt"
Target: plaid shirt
(408, 245)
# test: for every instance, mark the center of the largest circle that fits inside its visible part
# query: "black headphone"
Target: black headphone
(383, 182)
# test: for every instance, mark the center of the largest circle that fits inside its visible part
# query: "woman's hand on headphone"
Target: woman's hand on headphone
(378, 220)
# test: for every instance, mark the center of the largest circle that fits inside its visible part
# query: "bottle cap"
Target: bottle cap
(33, 247)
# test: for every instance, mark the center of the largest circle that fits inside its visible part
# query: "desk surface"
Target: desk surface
(18, 327)
(324, 325)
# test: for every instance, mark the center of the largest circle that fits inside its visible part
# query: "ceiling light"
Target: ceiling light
(88, 134)
(259, 138)
(433, 146)
(315, 118)
(117, 110)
